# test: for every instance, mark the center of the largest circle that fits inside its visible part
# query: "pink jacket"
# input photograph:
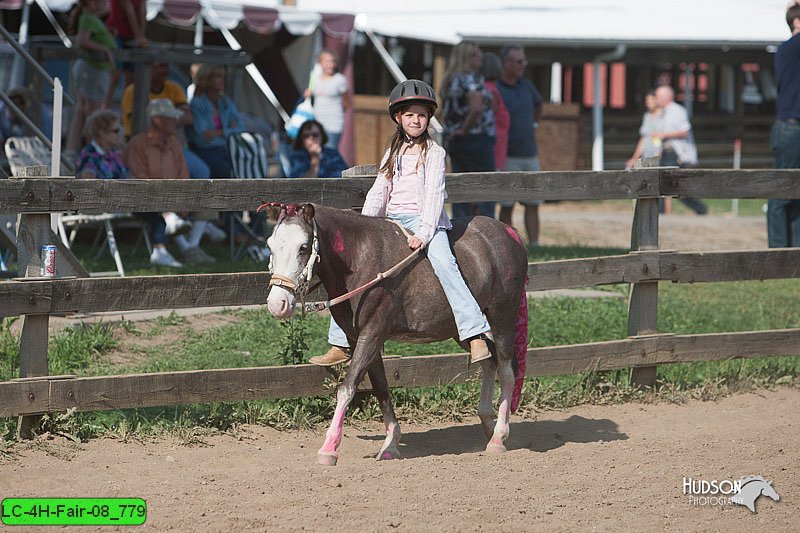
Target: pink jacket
(430, 194)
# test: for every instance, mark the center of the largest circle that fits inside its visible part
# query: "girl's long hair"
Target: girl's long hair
(396, 142)
(457, 64)
(74, 17)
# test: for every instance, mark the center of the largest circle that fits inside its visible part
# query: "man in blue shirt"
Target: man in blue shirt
(524, 103)
(783, 216)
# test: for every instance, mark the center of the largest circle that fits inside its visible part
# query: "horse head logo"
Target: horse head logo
(752, 488)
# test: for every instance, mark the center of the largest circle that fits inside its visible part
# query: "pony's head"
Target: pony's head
(293, 246)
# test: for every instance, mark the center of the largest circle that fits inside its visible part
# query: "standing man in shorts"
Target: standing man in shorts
(524, 103)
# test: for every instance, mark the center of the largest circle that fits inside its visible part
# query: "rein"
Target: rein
(321, 306)
(302, 286)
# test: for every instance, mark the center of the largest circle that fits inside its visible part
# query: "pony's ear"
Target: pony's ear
(308, 213)
(273, 212)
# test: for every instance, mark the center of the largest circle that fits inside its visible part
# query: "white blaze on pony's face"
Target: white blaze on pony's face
(290, 249)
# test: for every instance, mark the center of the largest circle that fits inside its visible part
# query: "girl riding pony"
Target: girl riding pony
(410, 190)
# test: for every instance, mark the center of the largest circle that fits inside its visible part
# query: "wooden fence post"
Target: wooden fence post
(33, 232)
(643, 301)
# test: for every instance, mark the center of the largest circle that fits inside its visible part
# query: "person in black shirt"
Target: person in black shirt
(783, 216)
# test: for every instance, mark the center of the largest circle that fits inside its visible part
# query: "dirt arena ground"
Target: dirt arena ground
(603, 468)
(590, 468)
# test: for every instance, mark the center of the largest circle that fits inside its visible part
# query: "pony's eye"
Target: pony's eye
(303, 247)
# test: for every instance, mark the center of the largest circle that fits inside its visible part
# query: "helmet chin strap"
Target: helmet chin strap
(408, 139)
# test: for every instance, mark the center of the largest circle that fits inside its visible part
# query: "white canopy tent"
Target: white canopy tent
(256, 16)
(716, 22)
(619, 25)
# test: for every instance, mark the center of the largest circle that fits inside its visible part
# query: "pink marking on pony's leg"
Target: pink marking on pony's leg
(337, 244)
(389, 449)
(328, 454)
(501, 428)
(485, 409)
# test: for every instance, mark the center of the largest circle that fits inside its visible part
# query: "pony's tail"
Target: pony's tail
(520, 348)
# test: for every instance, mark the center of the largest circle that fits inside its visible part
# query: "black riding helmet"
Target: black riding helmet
(411, 92)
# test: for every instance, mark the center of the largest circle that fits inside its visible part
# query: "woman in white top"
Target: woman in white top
(331, 95)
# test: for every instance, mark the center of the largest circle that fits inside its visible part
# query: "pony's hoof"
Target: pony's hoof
(495, 449)
(327, 458)
(388, 455)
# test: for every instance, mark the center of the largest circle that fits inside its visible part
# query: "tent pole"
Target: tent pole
(18, 67)
(597, 105)
(198, 33)
(393, 67)
(251, 69)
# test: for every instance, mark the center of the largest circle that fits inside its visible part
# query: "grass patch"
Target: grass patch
(245, 338)
(255, 338)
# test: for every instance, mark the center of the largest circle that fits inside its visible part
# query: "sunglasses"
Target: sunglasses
(114, 130)
(311, 134)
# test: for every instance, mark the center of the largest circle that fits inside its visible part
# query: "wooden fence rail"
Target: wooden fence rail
(80, 295)
(36, 298)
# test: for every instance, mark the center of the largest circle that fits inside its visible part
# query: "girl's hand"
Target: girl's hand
(314, 149)
(415, 242)
(142, 42)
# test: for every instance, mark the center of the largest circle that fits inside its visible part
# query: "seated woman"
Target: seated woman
(214, 116)
(102, 159)
(311, 158)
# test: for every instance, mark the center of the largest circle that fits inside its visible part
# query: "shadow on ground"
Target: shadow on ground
(537, 436)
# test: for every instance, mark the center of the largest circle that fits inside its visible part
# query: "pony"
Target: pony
(347, 250)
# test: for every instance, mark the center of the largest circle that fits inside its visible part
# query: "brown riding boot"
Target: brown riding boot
(334, 356)
(478, 349)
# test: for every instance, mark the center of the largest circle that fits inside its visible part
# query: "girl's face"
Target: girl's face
(414, 120)
(650, 102)
(95, 6)
(474, 59)
(328, 64)
(218, 81)
(311, 136)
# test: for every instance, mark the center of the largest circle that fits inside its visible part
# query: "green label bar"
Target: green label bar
(73, 511)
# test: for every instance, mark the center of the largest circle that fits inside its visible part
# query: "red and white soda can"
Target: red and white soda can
(49, 261)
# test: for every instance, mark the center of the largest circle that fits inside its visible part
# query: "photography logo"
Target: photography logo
(744, 491)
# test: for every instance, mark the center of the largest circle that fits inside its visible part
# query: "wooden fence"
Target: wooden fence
(36, 298)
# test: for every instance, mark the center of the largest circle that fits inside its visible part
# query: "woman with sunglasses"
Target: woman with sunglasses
(102, 159)
(311, 158)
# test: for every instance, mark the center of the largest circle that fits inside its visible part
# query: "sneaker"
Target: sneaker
(162, 257)
(177, 226)
(196, 256)
(334, 356)
(214, 233)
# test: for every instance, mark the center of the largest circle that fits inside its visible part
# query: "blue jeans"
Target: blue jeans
(217, 158)
(197, 167)
(333, 140)
(783, 216)
(470, 320)
(472, 153)
(158, 228)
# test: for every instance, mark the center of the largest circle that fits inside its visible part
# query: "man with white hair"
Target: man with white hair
(674, 131)
(156, 153)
